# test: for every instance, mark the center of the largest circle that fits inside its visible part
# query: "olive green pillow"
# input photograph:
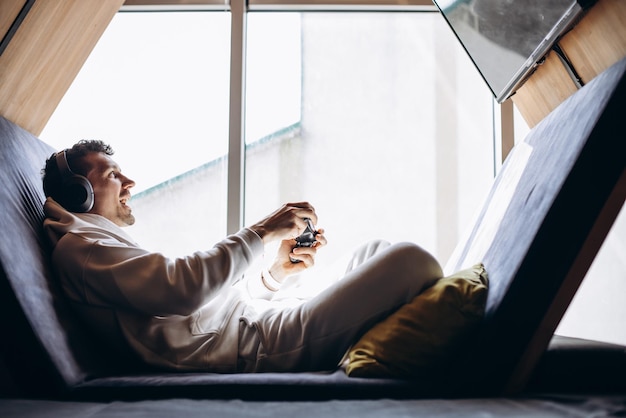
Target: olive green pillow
(420, 338)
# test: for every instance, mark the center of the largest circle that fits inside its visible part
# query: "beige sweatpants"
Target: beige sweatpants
(315, 335)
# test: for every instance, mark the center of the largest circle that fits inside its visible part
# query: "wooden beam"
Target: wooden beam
(593, 45)
(178, 3)
(45, 55)
(548, 86)
(599, 40)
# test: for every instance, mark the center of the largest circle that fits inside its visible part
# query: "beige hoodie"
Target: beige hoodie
(181, 314)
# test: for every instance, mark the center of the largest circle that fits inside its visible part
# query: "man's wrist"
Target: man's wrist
(260, 230)
(269, 281)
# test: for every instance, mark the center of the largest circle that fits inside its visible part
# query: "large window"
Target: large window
(378, 119)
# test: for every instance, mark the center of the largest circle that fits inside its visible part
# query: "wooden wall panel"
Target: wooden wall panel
(593, 45)
(599, 40)
(546, 88)
(46, 53)
(9, 9)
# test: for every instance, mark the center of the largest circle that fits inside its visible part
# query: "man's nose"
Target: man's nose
(128, 183)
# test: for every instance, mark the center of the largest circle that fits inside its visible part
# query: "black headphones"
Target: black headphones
(78, 189)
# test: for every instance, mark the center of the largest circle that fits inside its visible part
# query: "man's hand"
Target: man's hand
(284, 267)
(287, 222)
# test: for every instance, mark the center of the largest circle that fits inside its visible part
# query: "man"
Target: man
(186, 313)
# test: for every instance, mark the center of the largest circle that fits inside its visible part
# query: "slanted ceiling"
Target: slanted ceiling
(55, 37)
(46, 53)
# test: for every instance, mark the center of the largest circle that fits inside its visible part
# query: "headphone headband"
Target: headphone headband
(64, 167)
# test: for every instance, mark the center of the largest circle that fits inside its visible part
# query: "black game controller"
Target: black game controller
(307, 238)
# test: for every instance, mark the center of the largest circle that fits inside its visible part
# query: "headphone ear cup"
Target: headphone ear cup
(80, 193)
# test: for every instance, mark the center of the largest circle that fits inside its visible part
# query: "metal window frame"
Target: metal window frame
(236, 135)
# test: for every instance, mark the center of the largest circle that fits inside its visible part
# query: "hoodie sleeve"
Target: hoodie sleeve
(98, 264)
(103, 271)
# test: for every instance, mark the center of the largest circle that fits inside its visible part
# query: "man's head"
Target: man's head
(92, 160)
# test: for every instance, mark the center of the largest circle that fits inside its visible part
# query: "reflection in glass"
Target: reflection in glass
(506, 39)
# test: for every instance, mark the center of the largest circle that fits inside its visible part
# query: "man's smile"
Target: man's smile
(124, 199)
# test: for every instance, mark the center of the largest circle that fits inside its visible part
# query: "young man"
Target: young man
(186, 313)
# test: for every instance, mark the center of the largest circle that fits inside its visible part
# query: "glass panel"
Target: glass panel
(156, 89)
(507, 39)
(394, 138)
(274, 76)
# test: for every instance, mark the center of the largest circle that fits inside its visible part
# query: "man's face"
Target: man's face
(111, 189)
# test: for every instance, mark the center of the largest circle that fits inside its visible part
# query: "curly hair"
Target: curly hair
(53, 184)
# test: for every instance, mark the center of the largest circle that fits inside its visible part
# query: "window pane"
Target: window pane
(395, 136)
(156, 89)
